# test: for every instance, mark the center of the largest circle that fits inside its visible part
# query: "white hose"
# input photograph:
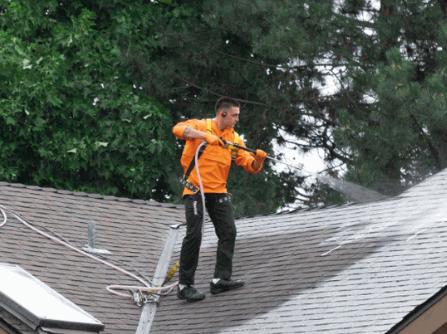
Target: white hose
(201, 187)
(4, 221)
(110, 288)
(113, 288)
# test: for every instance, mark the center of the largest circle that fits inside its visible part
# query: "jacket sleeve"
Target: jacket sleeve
(245, 159)
(180, 127)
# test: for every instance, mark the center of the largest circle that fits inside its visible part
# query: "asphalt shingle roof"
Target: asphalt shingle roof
(350, 269)
(133, 230)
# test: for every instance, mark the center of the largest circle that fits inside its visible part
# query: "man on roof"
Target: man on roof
(214, 166)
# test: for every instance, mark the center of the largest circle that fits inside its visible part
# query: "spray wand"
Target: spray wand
(353, 191)
(300, 166)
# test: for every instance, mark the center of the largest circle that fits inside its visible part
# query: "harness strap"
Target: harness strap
(234, 148)
(209, 125)
(209, 129)
(184, 180)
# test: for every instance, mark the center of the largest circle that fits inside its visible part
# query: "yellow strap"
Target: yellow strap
(209, 125)
(169, 276)
(171, 273)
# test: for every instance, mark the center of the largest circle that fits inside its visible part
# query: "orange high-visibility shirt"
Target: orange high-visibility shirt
(215, 161)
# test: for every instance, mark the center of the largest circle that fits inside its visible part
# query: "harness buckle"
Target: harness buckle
(189, 185)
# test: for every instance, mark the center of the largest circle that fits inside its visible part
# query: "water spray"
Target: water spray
(350, 189)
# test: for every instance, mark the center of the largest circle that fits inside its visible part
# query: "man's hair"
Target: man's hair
(226, 103)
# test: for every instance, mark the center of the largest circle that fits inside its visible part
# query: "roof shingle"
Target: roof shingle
(133, 230)
(349, 269)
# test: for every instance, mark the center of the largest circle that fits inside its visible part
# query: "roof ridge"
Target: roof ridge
(91, 195)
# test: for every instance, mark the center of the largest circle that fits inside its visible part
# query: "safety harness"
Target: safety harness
(184, 179)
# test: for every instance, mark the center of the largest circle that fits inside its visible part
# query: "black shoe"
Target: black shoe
(225, 285)
(190, 294)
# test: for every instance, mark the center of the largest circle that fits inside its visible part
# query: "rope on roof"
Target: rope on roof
(135, 292)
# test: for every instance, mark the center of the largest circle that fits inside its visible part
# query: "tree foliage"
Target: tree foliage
(258, 53)
(90, 91)
(384, 117)
(84, 64)
(392, 128)
(70, 116)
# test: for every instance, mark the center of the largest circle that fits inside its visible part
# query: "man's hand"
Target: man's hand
(212, 139)
(260, 156)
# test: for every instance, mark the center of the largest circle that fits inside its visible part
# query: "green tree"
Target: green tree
(70, 116)
(392, 128)
(91, 90)
(384, 121)
(264, 54)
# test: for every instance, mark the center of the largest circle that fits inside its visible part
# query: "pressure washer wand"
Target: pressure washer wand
(300, 166)
(354, 191)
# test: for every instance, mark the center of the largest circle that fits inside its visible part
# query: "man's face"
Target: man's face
(232, 117)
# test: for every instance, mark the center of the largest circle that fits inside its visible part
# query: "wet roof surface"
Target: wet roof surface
(350, 269)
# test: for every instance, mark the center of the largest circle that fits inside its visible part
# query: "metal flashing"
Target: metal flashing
(19, 313)
(46, 330)
(7, 328)
(149, 309)
(418, 311)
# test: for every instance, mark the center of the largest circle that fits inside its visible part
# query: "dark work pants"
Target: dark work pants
(220, 210)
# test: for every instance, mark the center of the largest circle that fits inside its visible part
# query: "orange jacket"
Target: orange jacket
(215, 161)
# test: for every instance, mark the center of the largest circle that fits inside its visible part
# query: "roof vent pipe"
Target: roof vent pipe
(91, 234)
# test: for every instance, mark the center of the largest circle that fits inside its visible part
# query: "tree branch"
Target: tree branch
(247, 60)
(220, 95)
(432, 149)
